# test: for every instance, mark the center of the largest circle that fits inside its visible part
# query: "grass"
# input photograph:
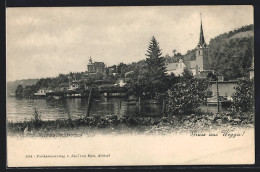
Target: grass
(133, 124)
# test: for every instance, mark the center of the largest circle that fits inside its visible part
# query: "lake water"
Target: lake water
(23, 109)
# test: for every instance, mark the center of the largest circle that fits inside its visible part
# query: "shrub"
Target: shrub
(186, 96)
(244, 96)
(36, 118)
(36, 115)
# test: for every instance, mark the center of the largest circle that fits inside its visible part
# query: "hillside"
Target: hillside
(248, 34)
(231, 53)
(12, 85)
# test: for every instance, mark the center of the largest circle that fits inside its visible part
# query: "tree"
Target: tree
(177, 57)
(248, 57)
(19, 91)
(244, 96)
(168, 59)
(186, 75)
(155, 68)
(137, 84)
(121, 69)
(171, 80)
(212, 77)
(231, 56)
(29, 90)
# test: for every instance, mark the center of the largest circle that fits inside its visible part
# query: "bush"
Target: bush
(36, 120)
(244, 96)
(186, 96)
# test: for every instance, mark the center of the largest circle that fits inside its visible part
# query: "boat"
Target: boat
(222, 101)
(57, 97)
(40, 94)
(108, 95)
(74, 95)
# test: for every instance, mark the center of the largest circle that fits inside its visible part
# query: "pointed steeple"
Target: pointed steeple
(202, 42)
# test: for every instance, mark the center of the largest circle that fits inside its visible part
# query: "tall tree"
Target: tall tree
(186, 75)
(155, 68)
(19, 91)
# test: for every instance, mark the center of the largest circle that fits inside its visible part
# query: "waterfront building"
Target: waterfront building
(73, 85)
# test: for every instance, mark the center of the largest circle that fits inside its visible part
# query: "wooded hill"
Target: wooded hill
(231, 53)
(12, 85)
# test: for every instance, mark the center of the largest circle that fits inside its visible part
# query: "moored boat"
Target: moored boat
(108, 95)
(57, 97)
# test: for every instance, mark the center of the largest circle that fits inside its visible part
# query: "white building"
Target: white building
(73, 85)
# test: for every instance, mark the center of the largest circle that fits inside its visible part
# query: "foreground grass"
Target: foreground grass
(133, 124)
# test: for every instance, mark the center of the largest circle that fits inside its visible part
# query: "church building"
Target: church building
(198, 67)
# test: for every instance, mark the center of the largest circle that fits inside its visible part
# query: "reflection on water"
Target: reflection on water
(23, 109)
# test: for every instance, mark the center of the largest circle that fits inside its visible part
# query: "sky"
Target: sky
(47, 41)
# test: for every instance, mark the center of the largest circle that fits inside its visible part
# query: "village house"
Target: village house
(112, 70)
(120, 82)
(73, 85)
(199, 67)
(95, 67)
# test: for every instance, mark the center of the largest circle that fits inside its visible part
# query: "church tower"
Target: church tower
(202, 52)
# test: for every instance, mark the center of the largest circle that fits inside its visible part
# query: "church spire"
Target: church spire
(202, 42)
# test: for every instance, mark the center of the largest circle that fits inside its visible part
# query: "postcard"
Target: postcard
(130, 86)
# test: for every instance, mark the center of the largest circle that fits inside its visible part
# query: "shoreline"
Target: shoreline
(133, 124)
